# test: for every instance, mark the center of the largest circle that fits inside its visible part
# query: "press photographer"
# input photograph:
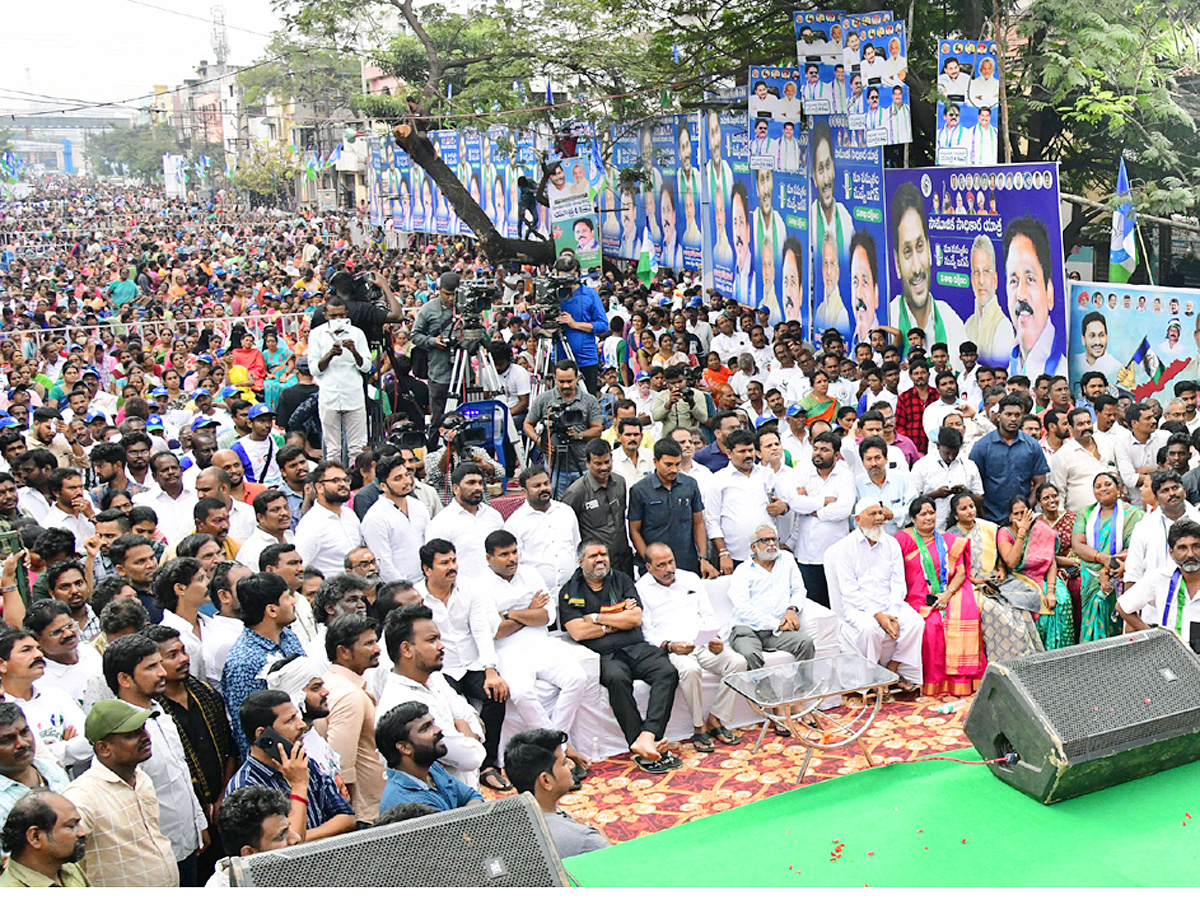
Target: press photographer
(583, 319)
(681, 405)
(370, 303)
(462, 443)
(431, 332)
(561, 421)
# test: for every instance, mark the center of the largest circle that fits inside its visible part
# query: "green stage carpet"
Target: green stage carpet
(923, 824)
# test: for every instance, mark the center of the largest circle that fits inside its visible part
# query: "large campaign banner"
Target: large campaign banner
(470, 168)
(494, 167)
(402, 211)
(756, 226)
(1143, 339)
(775, 109)
(572, 219)
(376, 186)
(976, 254)
(846, 233)
(623, 238)
(824, 89)
(968, 103)
(876, 61)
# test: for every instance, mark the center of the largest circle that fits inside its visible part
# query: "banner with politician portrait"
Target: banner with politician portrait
(968, 114)
(976, 254)
(876, 64)
(685, 192)
(493, 154)
(375, 182)
(624, 239)
(572, 217)
(445, 145)
(846, 233)
(1143, 339)
(823, 90)
(774, 109)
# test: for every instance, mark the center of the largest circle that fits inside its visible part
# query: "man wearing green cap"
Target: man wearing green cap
(118, 804)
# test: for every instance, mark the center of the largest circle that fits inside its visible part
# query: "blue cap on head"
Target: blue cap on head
(228, 391)
(202, 422)
(797, 410)
(642, 376)
(260, 409)
(154, 422)
(764, 419)
(200, 392)
(9, 422)
(93, 416)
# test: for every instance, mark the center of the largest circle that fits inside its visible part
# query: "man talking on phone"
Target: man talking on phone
(273, 728)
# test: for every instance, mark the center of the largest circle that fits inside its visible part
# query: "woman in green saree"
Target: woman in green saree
(1101, 535)
(820, 406)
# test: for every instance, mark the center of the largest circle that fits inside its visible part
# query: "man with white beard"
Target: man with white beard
(869, 571)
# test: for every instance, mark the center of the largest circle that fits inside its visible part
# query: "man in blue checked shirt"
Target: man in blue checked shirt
(316, 808)
(267, 611)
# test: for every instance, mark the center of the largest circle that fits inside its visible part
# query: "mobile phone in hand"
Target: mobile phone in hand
(274, 744)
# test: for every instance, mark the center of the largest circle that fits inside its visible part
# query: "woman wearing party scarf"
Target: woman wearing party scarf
(935, 571)
(1100, 538)
(1029, 547)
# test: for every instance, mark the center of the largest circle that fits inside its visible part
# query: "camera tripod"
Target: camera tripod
(487, 379)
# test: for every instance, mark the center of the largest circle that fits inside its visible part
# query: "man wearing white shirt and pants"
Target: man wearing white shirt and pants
(822, 512)
(868, 568)
(330, 529)
(339, 356)
(546, 530)
(1168, 596)
(678, 616)
(466, 522)
(395, 525)
(527, 653)
(1148, 543)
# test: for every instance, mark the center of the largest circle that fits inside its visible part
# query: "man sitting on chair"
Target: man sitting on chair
(869, 571)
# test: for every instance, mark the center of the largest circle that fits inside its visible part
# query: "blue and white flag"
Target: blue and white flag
(1122, 253)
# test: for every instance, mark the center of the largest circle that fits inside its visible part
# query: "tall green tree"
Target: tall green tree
(139, 147)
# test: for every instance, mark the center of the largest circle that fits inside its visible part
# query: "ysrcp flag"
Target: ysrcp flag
(1122, 255)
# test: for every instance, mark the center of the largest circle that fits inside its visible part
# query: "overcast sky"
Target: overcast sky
(103, 50)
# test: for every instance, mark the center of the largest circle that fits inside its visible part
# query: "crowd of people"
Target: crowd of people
(257, 590)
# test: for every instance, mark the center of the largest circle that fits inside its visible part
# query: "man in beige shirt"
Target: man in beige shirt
(352, 642)
(118, 804)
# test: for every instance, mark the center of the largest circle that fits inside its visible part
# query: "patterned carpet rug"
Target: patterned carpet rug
(625, 803)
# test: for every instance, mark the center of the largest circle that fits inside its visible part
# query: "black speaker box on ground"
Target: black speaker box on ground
(504, 843)
(1089, 716)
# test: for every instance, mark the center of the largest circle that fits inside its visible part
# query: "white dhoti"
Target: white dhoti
(552, 663)
(862, 634)
(692, 666)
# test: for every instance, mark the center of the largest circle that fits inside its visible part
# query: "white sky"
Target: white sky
(102, 50)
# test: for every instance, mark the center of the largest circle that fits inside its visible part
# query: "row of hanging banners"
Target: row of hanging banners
(779, 196)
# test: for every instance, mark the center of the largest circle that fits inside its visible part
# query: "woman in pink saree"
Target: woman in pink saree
(936, 565)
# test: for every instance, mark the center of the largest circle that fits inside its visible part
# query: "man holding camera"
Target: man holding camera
(341, 356)
(583, 317)
(571, 419)
(431, 331)
(679, 406)
(458, 448)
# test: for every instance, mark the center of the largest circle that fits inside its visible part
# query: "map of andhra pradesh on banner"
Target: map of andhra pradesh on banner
(572, 215)
(1142, 339)
(976, 254)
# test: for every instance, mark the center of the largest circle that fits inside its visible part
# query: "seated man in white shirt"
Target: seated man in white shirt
(1169, 596)
(768, 599)
(466, 521)
(415, 647)
(868, 570)
(547, 530)
(527, 653)
(1148, 544)
(678, 616)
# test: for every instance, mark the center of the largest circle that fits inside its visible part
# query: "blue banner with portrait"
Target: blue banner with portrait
(976, 254)
(846, 232)
(968, 115)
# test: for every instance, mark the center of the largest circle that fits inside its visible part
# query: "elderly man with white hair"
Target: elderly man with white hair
(678, 616)
(768, 598)
(868, 570)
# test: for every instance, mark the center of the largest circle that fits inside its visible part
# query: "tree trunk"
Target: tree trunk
(497, 248)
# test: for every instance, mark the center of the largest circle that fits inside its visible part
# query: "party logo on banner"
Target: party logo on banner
(976, 254)
(572, 218)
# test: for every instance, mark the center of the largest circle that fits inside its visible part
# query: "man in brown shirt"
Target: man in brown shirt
(352, 643)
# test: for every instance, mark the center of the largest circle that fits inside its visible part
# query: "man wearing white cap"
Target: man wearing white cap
(868, 569)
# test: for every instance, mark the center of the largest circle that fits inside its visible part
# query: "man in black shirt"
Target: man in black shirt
(293, 396)
(601, 610)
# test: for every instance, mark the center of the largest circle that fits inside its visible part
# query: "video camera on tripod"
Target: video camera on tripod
(471, 300)
(561, 417)
(549, 292)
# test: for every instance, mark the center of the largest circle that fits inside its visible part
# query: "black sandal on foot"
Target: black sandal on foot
(670, 760)
(492, 779)
(702, 743)
(651, 766)
(724, 735)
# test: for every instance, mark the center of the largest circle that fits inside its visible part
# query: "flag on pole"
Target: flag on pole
(647, 258)
(1122, 253)
(549, 93)
(596, 175)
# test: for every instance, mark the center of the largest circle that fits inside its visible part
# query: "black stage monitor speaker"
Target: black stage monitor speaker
(1089, 716)
(504, 843)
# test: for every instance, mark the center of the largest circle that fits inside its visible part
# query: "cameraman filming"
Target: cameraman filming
(679, 406)
(561, 442)
(368, 316)
(441, 462)
(584, 318)
(431, 331)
